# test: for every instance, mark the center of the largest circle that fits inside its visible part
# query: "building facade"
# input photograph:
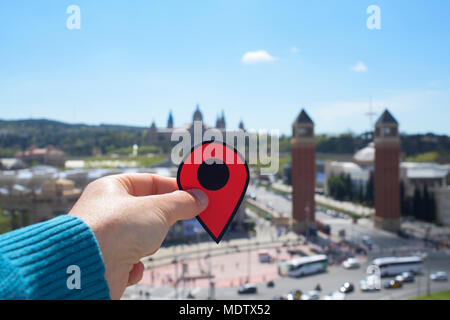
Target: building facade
(442, 197)
(48, 155)
(157, 136)
(26, 206)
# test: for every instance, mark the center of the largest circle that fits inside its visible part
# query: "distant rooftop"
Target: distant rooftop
(425, 170)
(366, 154)
(386, 117)
(303, 117)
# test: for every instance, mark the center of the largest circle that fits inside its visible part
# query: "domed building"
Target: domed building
(359, 169)
(366, 156)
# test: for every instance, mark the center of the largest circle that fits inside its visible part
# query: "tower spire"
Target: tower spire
(170, 120)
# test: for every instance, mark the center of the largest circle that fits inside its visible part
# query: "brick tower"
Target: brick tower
(387, 176)
(303, 172)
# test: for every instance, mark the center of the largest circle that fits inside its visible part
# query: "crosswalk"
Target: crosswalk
(145, 292)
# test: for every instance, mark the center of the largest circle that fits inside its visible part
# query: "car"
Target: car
(311, 295)
(248, 288)
(347, 288)
(367, 240)
(253, 196)
(280, 298)
(294, 295)
(403, 234)
(351, 263)
(439, 276)
(270, 284)
(405, 277)
(393, 284)
(335, 295)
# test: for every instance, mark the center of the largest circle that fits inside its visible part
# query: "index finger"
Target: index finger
(146, 184)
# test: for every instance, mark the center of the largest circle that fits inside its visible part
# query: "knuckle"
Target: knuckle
(185, 197)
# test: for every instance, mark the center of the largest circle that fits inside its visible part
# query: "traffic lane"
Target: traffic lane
(414, 289)
(335, 276)
(380, 238)
(329, 281)
(279, 203)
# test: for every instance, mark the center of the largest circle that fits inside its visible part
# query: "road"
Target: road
(384, 242)
(228, 277)
(329, 281)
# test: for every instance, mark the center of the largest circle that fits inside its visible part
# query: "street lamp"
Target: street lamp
(249, 262)
(150, 268)
(197, 232)
(175, 262)
(307, 220)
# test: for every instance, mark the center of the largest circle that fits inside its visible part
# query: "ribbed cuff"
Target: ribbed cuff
(35, 261)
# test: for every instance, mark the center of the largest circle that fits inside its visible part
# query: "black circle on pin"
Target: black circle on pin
(213, 174)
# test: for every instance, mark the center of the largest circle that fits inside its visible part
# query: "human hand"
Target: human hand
(130, 215)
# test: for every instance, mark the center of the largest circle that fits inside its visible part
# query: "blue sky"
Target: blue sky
(133, 61)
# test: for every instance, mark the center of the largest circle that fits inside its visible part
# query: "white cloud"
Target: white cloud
(294, 50)
(253, 57)
(359, 67)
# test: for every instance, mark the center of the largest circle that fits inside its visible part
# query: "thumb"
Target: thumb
(181, 205)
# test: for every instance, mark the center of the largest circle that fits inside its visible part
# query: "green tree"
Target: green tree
(433, 213)
(417, 204)
(426, 204)
(360, 196)
(336, 187)
(348, 187)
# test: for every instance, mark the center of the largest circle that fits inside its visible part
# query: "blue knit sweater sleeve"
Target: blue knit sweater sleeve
(55, 259)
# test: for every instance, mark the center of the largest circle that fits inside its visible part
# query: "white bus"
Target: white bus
(303, 266)
(392, 266)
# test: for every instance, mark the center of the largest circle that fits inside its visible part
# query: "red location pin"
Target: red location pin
(222, 173)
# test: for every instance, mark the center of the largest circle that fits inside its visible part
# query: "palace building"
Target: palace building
(157, 136)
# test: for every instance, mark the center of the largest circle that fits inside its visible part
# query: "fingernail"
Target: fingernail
(200, 195)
